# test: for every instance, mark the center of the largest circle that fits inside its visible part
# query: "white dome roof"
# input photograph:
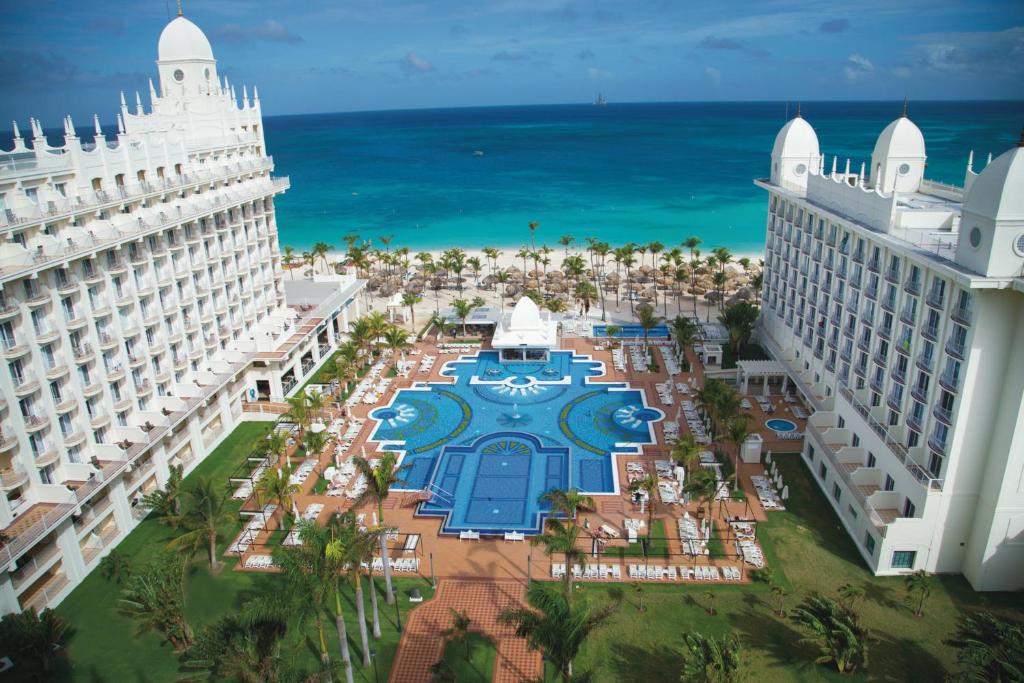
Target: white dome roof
(796, 139)
(525, 315)
(183, 40)
(998, 191)
(901, 139)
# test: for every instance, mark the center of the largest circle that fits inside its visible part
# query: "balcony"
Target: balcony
(894, 401)
(937, 445)
(73, 438)
(93, 389)
(82, 353)
(860, 370)
(936, 299)
(12, 478)
(893, 275)
(56, 371)
(871, 291)
(961, 314)
(107, 340)
(46, 333)
(915, 423)
(68, 285)
(943, 415)
(47, 454)
(925, 362)
(874, 265)
(912, 286)
(864, 344)
(14, 347)
(908, 315)
(135, 360)
(8, 440)
(950, 381)
(889, 303)
(885, 332)
(876, 384)
(930, 332)
(39, 297)
(956, 348)
(143, 387)
(24, 383)
(9, 308)
(899, 374)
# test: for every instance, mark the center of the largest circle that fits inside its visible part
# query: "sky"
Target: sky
(311, 56)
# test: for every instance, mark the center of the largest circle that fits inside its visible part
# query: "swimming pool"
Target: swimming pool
(488, 444)
(630, 331)
(780, 425)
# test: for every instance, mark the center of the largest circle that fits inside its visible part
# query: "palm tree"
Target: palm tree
(779, 592)
(396, 340)
(459, 630)
(849, 594)
(703, 486)
(166, 502)
(706, 660)
(204, 512)
(288, 260)
(36, 640)
(275, 486)
(243, 647)
(410, 300)
(567, 502)
(463, 309)
(586, 293)
(314, 442)
(347, 549)
(565, 241)
(533, 225)
(555, 626)
(115, 566)
(474, 264)
(990, 649)
(685, 451)
(740, 319)
(501, 278)
(311, 577)
(276, 445)
(380, 481)
(611, 331)
(298, 412)
(320, 251)
(737, 430)
(691, 243)
(559, 538)
(684, 330)
(155, 599)
(649, 484)
(834, 631)
(919, 587)
(648, 319)
(555, 305)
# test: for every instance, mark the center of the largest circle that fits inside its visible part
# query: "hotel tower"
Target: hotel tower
(142, 308)
(896, 304)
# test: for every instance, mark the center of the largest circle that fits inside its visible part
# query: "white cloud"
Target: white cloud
(412, 63)
(713, 75)
(857, 66)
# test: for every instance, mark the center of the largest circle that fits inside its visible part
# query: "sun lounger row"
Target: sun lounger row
(635, 471)
(766, 493)
(789, 436)
(619, 359)
(397, 564)
(427, 363)
(750, 552)
(695, 422)
(300, 475)
(799, 412)
(310, 515)
(683, 573)
(251, 530)
(259, 562)
(664, 390)
(461, 347)
(589, 571)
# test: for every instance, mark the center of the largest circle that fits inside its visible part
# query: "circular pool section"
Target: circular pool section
(779, 425)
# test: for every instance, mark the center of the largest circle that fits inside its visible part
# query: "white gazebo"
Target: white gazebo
(524, 334)
(765, 370)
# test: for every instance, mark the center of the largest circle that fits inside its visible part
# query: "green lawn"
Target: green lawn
(815, 553)
(478, 667)
(104, 646)
(658, 546)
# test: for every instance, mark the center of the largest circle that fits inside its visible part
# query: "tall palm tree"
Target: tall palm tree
(243, 647)
(320, 251)
(703, 486)
(707, 660)
(298, 412)
(379, 482)
(396, 340)
(684, 331)
(204, 513)
(166, 502)
(155, 599)
(567, 502)
(524, 253)
(611, 331)
(834, 631)
(585, 293)
(648, 484)
(351, 546)
(560, 538)
(533, 225)
(501, 278)
(555, 626)
(691, 244)
(685, 451)
(740, 319)
(410, 300)
(737, 429)
(600, 251)
(565, 241)
(38, 639)
(474, 264)
(463, 309)
(275, 486)
(919, 587)
(288, 260)
(648, 319)
(276, 445)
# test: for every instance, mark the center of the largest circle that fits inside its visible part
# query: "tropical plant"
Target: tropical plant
(243, 646)
(166, 502)
(275, 486)
(709, 599)
(115, 567)
(397, 341)
(463, 308)
(706, 660)
(737, 429)
(691, 244)
(349, 547)
(410, 300)
(315, 442)
(684, 331)
(779, 593)
(702, 485)
(276, 445)
(919, 587)
(379, 482)
(567, 502)
(647, 319)
(459, 630)
(990, 649)
(155, 599)
(611, 331)
(204, 512)
(648, 484)
(560, 538)
(849, 594)
(555, 305)
(565, 241)
(686, 451)
(35, 641)
(298, 412)
(639, 591)
(554, 626)
(586, 294)
(740, 319)
(834, 632)
(288, 260)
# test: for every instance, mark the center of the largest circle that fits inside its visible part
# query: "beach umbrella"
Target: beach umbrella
(785, 492)
(768, 458)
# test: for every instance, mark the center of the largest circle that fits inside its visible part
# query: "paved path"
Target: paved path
(422, 643)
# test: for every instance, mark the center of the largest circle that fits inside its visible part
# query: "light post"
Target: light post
(398, 616)
(373, 657)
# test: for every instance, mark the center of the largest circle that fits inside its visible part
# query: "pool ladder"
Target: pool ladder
(446, 497)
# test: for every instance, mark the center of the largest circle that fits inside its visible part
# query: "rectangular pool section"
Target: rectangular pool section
(487, 445)
(631, 331)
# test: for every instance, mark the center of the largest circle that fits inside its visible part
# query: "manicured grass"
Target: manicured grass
(479, 666)
(809, 551)
(104, 646)
(657, 546)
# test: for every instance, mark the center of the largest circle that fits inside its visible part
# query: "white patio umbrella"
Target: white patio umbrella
(768, 458)
(785, 492)
(295, 509)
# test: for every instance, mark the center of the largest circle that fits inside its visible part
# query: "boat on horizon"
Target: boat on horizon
(600, 101)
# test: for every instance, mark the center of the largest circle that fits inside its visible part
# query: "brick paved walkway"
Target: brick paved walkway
(422, 643)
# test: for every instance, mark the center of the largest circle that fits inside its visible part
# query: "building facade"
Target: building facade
(897, 306)
(142, 305)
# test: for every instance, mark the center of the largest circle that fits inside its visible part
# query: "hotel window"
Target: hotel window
(871, 460)
(822, 471)
(909, 508)
(934, 464)
(810, 452)
(853, 513)
(903, 559)
(913, 439)
(869, 543)
(890, 483)
(855, 442)
(836, 492)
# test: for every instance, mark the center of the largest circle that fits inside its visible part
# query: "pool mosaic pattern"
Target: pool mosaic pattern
(560, 433)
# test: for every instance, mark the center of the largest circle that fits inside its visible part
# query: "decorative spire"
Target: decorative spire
(96, 125)
(138, 103)
(71, 127)
(124, 105)
(835, 160)
(120, 125)
(256, 94)
(245, 95)
(17, 133)
(798, 110)
(152, 93)
(180, 12)
(1020, 143)
(905, 103)
(970, 158)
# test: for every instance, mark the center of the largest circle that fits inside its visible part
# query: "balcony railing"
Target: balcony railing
(935, 298)
(944, 415)
(961, 314)
(956, 348)
(950, 381)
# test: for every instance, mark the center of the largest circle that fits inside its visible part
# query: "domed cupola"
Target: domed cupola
(795, 153)
(185, 59)
(992, 225)
(898, 160)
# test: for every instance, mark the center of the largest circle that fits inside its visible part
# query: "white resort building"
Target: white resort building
(142, 305)
(897, 306)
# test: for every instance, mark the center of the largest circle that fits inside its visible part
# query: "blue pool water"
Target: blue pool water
(629, 331)
(488, 445)
(779, 425)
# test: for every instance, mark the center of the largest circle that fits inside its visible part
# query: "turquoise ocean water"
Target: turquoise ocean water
(625, 172)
